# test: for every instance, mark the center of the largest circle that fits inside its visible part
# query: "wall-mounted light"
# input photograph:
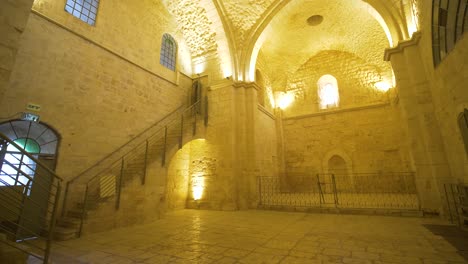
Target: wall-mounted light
(283, 99)
(198, 186)
(383, 86)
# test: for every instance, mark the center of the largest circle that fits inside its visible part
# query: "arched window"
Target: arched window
(168, 52)
(328, 92)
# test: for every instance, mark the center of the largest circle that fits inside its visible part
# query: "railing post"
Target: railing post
(163, 162)
(119, 187)
(83, 211)
(448, 203)
(143, 180)
(335, 192)
(65, 198)
(52, 223)
(181, 131)
(321, 195)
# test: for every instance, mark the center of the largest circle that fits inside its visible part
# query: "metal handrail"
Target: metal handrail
(126, 144)
(143, 141)
(125, 152)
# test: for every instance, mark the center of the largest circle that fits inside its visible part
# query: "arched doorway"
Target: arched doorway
(24, 187)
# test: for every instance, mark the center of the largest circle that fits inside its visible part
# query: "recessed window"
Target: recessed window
(85, 10)
(328, 92)
(168, 52)
(449, 23)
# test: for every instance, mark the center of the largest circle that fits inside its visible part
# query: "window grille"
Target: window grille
(85, 10)
(449, 22)
(168, 52)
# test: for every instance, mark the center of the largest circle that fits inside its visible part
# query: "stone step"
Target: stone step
(69, 222)
(75, 213)
(63, 233)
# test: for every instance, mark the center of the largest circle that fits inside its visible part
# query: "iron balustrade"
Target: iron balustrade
(358, 190)
(456, 197)
(129, 168)
(28, 206)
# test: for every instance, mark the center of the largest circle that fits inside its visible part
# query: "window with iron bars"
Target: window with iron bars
(86, 10)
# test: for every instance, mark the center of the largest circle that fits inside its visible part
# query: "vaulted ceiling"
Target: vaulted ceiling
(236, 30)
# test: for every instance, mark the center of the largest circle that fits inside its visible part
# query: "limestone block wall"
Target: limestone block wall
(95, 97)
(372, 138)
(14, 16)
(449, 92)
(267, 157)
(133, 30)
(215, 162)
(356, 81)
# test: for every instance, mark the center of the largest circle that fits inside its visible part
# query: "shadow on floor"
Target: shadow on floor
(454, 235)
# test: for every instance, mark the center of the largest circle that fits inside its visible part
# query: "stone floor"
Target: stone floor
(193, 236)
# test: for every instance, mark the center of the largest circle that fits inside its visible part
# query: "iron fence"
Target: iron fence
(358, 190)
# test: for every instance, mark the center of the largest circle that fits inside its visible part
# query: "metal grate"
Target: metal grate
(85, 10)
(168, 52)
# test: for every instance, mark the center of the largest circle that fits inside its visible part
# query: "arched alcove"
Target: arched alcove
(188, 174)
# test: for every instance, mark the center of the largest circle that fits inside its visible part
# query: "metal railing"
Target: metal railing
(130, 168)
(456, 196)
(358, 190)
(29, 194)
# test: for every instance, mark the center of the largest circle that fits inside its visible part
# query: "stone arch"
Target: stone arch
(188, 171)
(391, 22)
(340, 154)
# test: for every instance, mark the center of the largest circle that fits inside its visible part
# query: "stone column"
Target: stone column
(425, 141)
(14, 16)
(244, 116)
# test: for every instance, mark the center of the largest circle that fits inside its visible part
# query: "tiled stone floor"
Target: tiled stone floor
(193, 236)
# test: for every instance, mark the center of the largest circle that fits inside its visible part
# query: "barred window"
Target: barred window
(168, 52)
(449, 23)
(85, 10)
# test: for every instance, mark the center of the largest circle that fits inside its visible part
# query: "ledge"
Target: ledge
(343, 110)
(414, 40)
(266, 112)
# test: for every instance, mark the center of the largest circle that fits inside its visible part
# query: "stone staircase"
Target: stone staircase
(101, 192)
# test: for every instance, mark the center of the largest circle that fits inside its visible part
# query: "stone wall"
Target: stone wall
(97, 86)
(266, 143)
(449, 92)
(356, 81)
(14, 16)
(372, 138)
